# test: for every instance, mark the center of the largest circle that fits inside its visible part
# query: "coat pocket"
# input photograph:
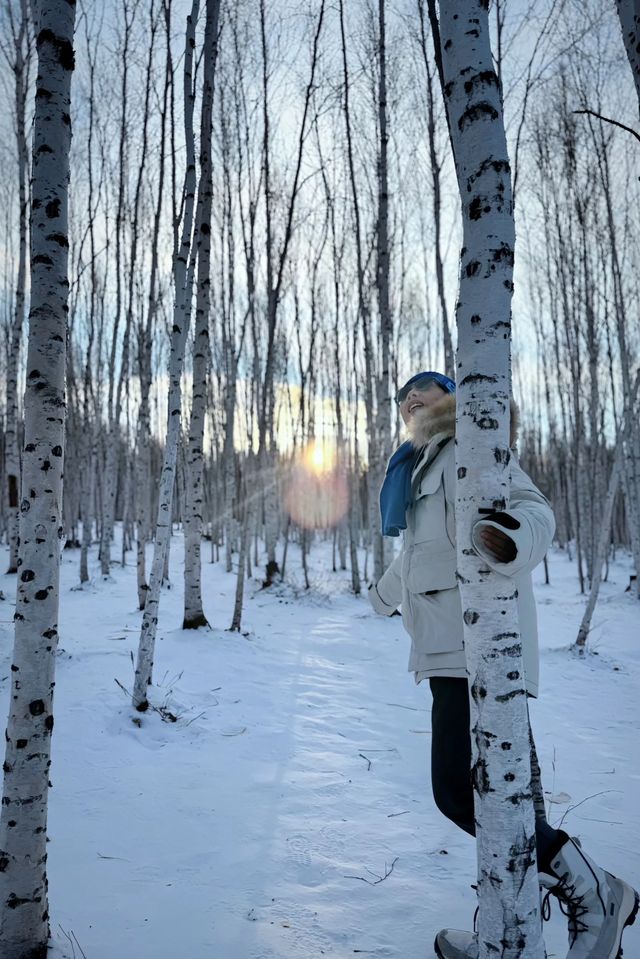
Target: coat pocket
(429, 566)
(431, 480)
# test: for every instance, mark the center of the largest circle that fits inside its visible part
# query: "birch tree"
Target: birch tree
(117, 384)
(629, 16)
(509, 921)
(193, 611)
(183, 269)
(18, 54)
(24, 916)
(435, 168)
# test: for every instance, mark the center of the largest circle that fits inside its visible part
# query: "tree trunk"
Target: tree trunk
(383, 396)
(629, 14)
(193, 611)
(183, 281)
(436, 187)
(20, 68)
(24, 916)
(246, 511)
(509, 921)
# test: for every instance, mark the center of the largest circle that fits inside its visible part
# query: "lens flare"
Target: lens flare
(316, 494)
(319, 457)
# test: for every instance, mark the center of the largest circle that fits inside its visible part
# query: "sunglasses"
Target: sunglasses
(422, 384)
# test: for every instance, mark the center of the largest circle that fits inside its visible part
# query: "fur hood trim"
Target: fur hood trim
(441, 418)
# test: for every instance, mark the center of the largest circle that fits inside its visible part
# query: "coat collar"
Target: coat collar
(441, 419)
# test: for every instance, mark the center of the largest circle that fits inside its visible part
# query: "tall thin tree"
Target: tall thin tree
(193, 611)
(19, 59)
(509, 921)
(24, 916)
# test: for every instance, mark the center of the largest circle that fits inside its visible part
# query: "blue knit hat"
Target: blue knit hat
(447, 384)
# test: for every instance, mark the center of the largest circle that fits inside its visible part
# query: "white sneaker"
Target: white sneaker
(598, 905)
(456, 944)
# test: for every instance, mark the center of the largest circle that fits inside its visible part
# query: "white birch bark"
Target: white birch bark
(145, 364)
(601, 551)
(383, 396)
(183, 281)
(436, 163)
(193, 612)
(606, 515)
(87, 498)
(20, 68)
(24, 918)
(629, 16)
(110, 483)
(509, 921)
(246, 511)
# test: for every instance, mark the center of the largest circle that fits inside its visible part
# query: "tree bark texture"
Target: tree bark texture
(629, 15)
(183, 281)
(193, 611)
(24, 917)
(12, 452)
(509, 921)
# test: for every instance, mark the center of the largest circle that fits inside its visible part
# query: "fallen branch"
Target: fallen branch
(387, 872)
(73, 942)
(586, 799)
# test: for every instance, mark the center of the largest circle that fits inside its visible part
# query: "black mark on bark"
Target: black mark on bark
(484, 78)
(476, 112)
(478, 378)
(62, 46)
(505, 697)
(487, 423)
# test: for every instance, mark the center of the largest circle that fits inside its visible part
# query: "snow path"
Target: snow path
(300, 759)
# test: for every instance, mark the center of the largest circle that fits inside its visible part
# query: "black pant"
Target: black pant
(451, 766)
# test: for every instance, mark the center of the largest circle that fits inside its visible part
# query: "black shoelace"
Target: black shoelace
(571, 905)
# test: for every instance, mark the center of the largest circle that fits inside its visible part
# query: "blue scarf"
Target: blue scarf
(395, 495)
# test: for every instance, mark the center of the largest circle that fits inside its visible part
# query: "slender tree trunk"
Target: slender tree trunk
(629, 14)
(193, 611)
(436, 187)
(383, 395)
(245, 532)
(20, 66)
(110, 482)
(183, 281)
(509, 921)
(24, 915)
(364, 312)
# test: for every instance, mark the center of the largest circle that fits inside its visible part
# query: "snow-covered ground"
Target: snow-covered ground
(296, 776)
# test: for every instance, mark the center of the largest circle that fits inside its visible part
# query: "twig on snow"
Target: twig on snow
(415, 709)
(73, 939)
(586, 799)
(366, 758)
(387, 872)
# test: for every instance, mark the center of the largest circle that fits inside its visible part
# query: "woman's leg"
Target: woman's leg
(451, 751)
(451, 766)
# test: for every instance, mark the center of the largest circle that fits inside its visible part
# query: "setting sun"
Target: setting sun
(319, 457)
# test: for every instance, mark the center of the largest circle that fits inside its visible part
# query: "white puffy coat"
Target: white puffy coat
(422, 578)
